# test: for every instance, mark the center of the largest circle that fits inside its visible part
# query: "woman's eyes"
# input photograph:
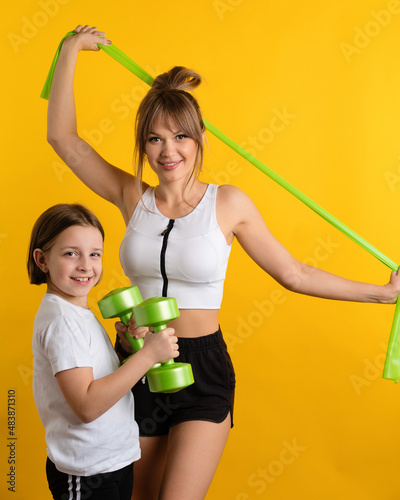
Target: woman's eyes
(180, 137)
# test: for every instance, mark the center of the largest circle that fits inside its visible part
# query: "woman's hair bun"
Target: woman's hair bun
(177, 78)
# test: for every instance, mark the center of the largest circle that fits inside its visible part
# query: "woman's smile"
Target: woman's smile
(172, 165)
(169, 149)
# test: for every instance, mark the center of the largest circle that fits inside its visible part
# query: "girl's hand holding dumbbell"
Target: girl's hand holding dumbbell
(163, 345)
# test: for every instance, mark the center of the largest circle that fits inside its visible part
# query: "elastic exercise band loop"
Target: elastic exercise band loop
(392, 363)
(49, 80)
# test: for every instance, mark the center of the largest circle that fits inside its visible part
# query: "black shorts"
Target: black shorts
(115, 485)
(210, 398)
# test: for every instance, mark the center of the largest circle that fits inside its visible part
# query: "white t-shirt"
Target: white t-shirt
(68, 336)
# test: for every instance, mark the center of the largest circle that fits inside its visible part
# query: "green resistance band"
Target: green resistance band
(391, 369)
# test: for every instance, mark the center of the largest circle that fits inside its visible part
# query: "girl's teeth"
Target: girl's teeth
(82, 279)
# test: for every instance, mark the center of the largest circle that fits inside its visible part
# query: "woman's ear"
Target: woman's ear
(40, 259)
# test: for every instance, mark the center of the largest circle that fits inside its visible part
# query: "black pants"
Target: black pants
(115, 485)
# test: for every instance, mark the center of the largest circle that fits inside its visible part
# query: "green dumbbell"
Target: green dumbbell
(156, 312)
(119, 303)
(170, 376)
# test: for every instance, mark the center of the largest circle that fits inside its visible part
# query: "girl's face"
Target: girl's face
(170, 153)
(74, 263)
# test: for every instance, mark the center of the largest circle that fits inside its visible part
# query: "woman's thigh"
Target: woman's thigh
(150, 468)
(194, 451)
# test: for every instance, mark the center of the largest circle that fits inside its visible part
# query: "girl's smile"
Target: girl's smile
(73, 263)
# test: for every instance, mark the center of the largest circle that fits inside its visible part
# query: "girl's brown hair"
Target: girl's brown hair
(169, 99)
(49, 225)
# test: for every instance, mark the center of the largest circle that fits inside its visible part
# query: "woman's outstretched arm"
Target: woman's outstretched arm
(258, 242)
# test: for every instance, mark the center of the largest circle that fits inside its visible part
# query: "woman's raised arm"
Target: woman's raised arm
(109, 182)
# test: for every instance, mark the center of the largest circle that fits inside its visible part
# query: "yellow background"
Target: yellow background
(313, 417)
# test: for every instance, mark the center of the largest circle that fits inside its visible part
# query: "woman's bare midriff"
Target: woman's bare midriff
(195, 322)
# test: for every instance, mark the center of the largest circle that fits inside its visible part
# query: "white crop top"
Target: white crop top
(185, 258)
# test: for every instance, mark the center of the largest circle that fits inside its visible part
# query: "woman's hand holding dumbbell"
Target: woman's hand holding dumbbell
(139, 332)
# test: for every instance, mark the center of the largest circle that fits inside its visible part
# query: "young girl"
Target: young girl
(178, 239)
(82, 395)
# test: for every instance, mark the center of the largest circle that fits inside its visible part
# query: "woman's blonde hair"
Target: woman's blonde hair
(169, 99)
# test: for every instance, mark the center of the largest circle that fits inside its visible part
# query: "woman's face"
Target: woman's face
(170, 153)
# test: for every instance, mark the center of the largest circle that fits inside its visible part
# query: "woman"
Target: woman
(177, 243)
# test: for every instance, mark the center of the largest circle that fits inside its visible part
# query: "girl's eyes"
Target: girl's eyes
(73, 254)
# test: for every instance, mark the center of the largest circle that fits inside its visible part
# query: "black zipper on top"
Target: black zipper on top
(165, 235)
